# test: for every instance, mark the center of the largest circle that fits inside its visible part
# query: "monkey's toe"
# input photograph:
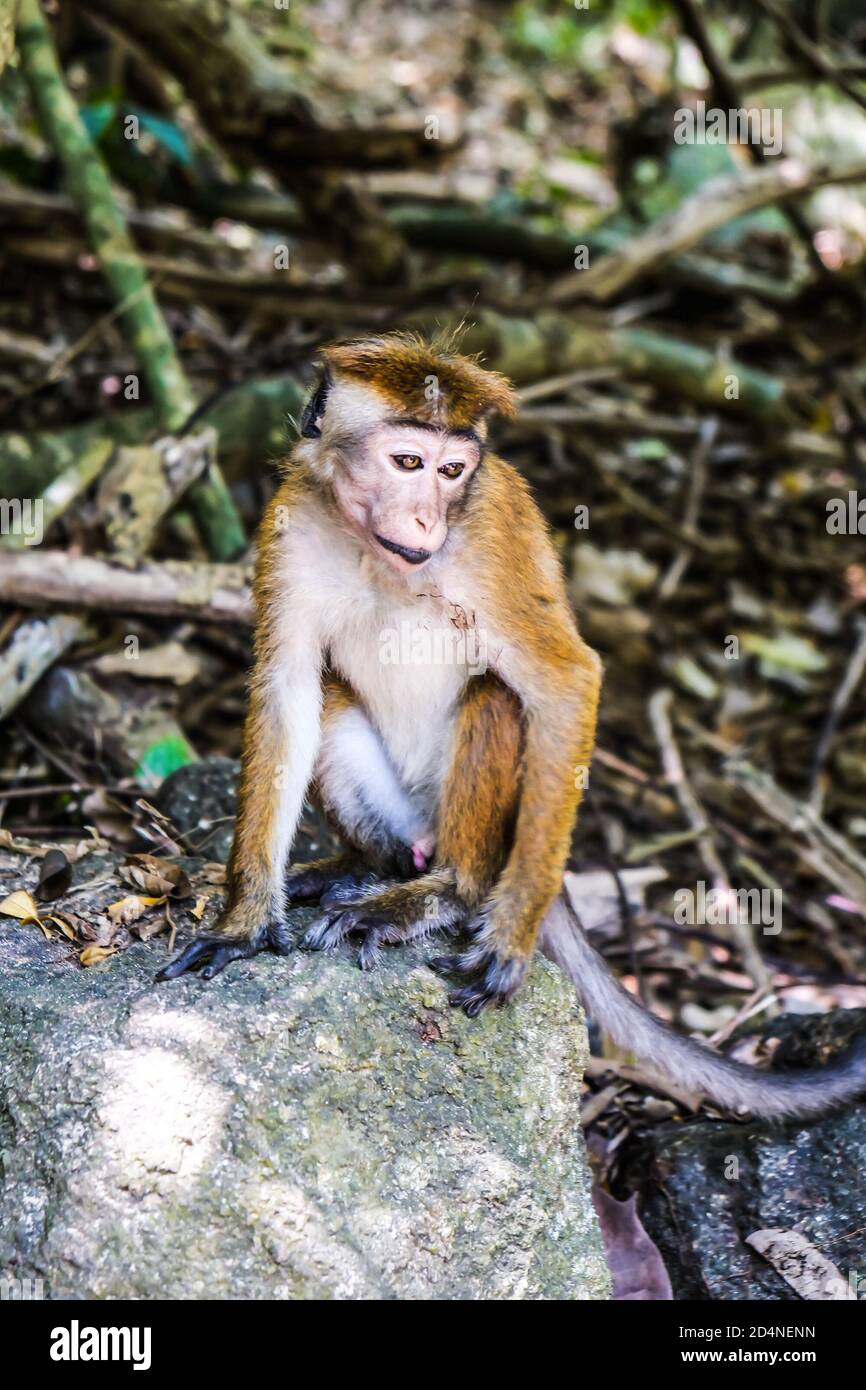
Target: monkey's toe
(472, 999)
(329, 930)
(497, 979)
(208, 955)
(453, 965)
(370, 952)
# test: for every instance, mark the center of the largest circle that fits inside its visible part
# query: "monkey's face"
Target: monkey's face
(396, 486)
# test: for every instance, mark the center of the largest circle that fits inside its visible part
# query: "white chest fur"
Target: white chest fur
(407, 648)
(404, 660)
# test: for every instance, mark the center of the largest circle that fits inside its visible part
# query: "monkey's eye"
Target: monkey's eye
(410, 463)
(452, 470)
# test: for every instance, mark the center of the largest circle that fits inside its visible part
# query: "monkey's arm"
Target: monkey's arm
(281, 738)
(556, 677)
(559, 694)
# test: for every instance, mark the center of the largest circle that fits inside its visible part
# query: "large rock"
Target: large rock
(706, 1185)
(293, 1129)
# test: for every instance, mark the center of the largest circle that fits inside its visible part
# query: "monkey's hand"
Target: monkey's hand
(212, 953)
(497, 970)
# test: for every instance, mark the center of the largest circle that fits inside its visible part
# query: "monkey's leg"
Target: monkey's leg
(281, 742)
(359, 791)
(340, 875)
(478, 809)
(390, 916)
(478, 803)
(558, 743)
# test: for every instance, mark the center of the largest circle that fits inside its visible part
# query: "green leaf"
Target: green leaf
(648, 448)
(784, 652)
(163, 757)
(167, 134)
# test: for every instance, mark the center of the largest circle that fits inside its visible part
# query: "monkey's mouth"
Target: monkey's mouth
(413, 557)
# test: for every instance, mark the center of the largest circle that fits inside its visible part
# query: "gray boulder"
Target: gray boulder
(293, 1129)
(706, 1186)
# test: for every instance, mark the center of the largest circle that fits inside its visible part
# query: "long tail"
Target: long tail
(730, 1085)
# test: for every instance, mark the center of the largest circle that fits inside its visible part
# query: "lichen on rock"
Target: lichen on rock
(293, 1129)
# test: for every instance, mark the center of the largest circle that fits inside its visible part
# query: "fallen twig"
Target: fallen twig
(675, 775)
(851, 679)
(180, 588)
(35, 645)
(714, 205)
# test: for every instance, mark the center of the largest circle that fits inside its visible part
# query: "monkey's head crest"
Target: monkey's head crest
(426, 381)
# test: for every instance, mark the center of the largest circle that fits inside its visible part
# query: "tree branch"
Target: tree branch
(91, 189)
(38, 578)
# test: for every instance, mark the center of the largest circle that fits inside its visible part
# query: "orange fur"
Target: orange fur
(559, 689)
(265, 749)
(403, 368)
(521, 739)
(480, 792)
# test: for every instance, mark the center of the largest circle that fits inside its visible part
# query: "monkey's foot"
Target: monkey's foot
(211, 954)
(390, 917)
(498, 976)
(341, 873)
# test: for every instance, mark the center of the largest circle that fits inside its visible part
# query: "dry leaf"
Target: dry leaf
(802, 1265)
(19, 846)
(55, 876)
(155, 876)
(170, 661)
(153, 926)
(129, 909)
(83, 847)
(20, 905)
(64, 926)
(108, 815)
(92, 955)
(635, 1263)
(82, 926)
(73, 851)
(198, 910)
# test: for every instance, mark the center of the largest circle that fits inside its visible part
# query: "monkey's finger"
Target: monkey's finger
(188, 958)
(472, 999)
(453, 965)
(368, 956)
(279, 939)
(222, 956)
(326, 932)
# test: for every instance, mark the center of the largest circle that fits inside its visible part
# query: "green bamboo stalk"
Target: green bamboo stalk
(8, 11)
(90, 187)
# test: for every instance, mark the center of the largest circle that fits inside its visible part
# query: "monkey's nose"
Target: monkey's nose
(425, 526)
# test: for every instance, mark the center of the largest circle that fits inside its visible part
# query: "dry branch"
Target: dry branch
(251, 104)
(714, 205)
(38, 578)
(528, 349)
(693, 811)
(34, 646)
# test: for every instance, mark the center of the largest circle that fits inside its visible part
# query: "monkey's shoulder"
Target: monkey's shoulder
(499, 483)
(513, 536)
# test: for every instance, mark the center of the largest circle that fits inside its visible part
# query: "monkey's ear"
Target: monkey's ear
(314, 410)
